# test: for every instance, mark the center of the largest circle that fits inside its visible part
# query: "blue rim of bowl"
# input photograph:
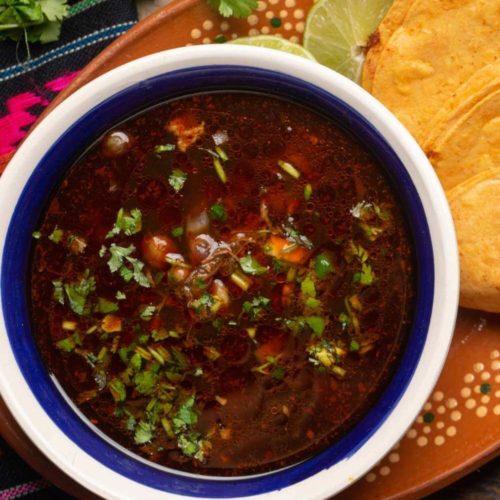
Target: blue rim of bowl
(14, 284)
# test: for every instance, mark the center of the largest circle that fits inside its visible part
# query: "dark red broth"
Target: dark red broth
(223, 284)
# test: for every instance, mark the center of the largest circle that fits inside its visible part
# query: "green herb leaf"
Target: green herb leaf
(117, 389)
(128, 222)
(256, 307)
(366, 276)
(106, 306)
(145, 381)
(36, 235)
(300, 239)
(177, 179)
(316, 324)
(307, 287)
(147, 312)
(120, 295)
(143, 432)
(121, 259)
(354, 346)
(308, 191)
(78, 293)
(69, 343)
(234, 8)
(217, 212)
(56, 235)
(251, 266)
(58, 291)
(322, 265)
(186, 415)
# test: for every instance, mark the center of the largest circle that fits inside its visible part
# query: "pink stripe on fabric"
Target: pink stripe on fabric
(21, 490)
(18, 117)
(62, 82)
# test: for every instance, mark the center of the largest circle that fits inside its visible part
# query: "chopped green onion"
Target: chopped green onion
(220, 170)
(308, 192)
(240, 280)
(289, 169)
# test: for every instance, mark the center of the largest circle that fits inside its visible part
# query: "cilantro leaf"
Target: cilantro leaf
(106, 306)
(256, 307)
(147, 312)
(307, 287)
(117, 389)
(145, 381)
(177, 232)
(128, 222)
(251, 266)
(177, 179)
(235, 8)
(143, 432)
(78, 293)
(69, 343)
(366, 276)
(58, 293)
(121, 260)
(186, 415)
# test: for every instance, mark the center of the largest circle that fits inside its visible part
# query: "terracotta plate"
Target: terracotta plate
(458, 428)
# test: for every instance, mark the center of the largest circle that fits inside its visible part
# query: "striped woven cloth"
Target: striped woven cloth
(27, 85)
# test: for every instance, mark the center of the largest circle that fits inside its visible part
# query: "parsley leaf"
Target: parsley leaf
(177, 179)
(128, 222)
(251, 266)
(235, 8)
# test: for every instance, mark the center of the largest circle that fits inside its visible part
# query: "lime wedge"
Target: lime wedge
(274, 42)
(337, 32)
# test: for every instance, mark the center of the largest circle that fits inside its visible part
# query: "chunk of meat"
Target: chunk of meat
(186, 131)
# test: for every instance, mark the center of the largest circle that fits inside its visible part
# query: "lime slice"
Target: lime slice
(275, 42)
(338, 30)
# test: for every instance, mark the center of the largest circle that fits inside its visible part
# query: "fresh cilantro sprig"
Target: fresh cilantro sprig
(32, 20)
(234, 8)
(129, 267)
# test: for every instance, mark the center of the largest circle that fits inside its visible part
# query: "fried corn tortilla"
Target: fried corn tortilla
(392, 21)
(477, 87)
(471, 145)
(476, 212)
(439, 45)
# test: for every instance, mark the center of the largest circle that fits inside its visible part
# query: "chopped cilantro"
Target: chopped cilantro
(78, 292)
(106, 306)
(177, 232)
(145, 381)
(120, 256)
(69, 343)
(147, 312)
(316, 324)
(58, 293)
(177, 179)
(117, 389)
(313, 303)
(186, 415)
(127, 222)
(217, 212)
(344, 320)
(322, 265)
(56, 235)
(135, 362)
(365, 276)
(251, 266)
(143, 432)
(205, 303)
(120, 295)
(307, 287)
(36, 235)
(256, 307)
(278, 373)
(234, 8)
(164, 148)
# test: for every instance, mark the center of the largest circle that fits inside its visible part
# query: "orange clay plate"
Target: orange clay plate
(459, 427)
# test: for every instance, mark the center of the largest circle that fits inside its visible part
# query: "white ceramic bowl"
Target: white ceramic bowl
(47, 416)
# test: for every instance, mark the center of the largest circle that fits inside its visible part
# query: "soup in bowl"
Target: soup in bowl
(228, 278)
